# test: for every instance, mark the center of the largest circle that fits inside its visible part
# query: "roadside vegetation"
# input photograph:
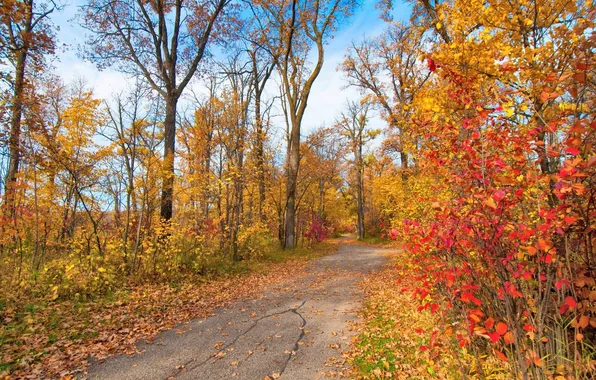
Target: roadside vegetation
(398, 339)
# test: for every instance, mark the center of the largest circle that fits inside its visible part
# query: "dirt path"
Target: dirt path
(294, 331)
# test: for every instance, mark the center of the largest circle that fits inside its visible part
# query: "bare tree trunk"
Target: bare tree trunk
(207, 171)
(260, 156)
(322, 198)
(14, 141)
(404, 159)
(360, 186)
(291, 182)
(168, 158)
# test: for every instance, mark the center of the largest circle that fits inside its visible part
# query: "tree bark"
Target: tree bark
(360, 196)
(260, 156)
(14, 141)
(404, 159)
(168, 158)
(291, 183)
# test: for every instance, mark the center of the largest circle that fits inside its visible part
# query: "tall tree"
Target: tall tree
(261, 70)
(160, 40)
(388, 69)
(289, 30)
(25, 37)
(352, 124)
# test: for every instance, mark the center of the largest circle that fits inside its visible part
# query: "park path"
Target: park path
(296, 330)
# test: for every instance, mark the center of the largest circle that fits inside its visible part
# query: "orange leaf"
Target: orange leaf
(535, 358)
(508, 338)
(584, 320)
(580, 77)
(544, 245)
(500, 355)
(501, 328)
(537, 361)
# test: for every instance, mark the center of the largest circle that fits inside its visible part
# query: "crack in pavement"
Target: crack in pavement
(294, 310)
(297, 343)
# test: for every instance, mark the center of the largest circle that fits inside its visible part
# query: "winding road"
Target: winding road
(296, 330)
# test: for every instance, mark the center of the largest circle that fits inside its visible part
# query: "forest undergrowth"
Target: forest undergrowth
(397, 339)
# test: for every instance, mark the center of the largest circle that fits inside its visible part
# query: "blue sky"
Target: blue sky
(328, 94)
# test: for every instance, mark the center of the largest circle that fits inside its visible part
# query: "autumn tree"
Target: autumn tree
(26, 37)
(128, 129)
(389, 70)
(290, 30)
(233, 135)
(506, 145)
(328, 152)
(162, 41)
(262, 67)
(319, 183)
(352, 124)
(198, 140)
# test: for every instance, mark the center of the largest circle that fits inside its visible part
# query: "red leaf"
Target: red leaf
(570, 301)
(494, 336)
(434, 307)
(570, 219)
(563, 309)
(431, 65)
(572, 151)
(498, 195)
(468, 297)
(489, 323)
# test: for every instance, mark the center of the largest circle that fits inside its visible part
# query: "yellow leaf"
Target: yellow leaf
(490, 203)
